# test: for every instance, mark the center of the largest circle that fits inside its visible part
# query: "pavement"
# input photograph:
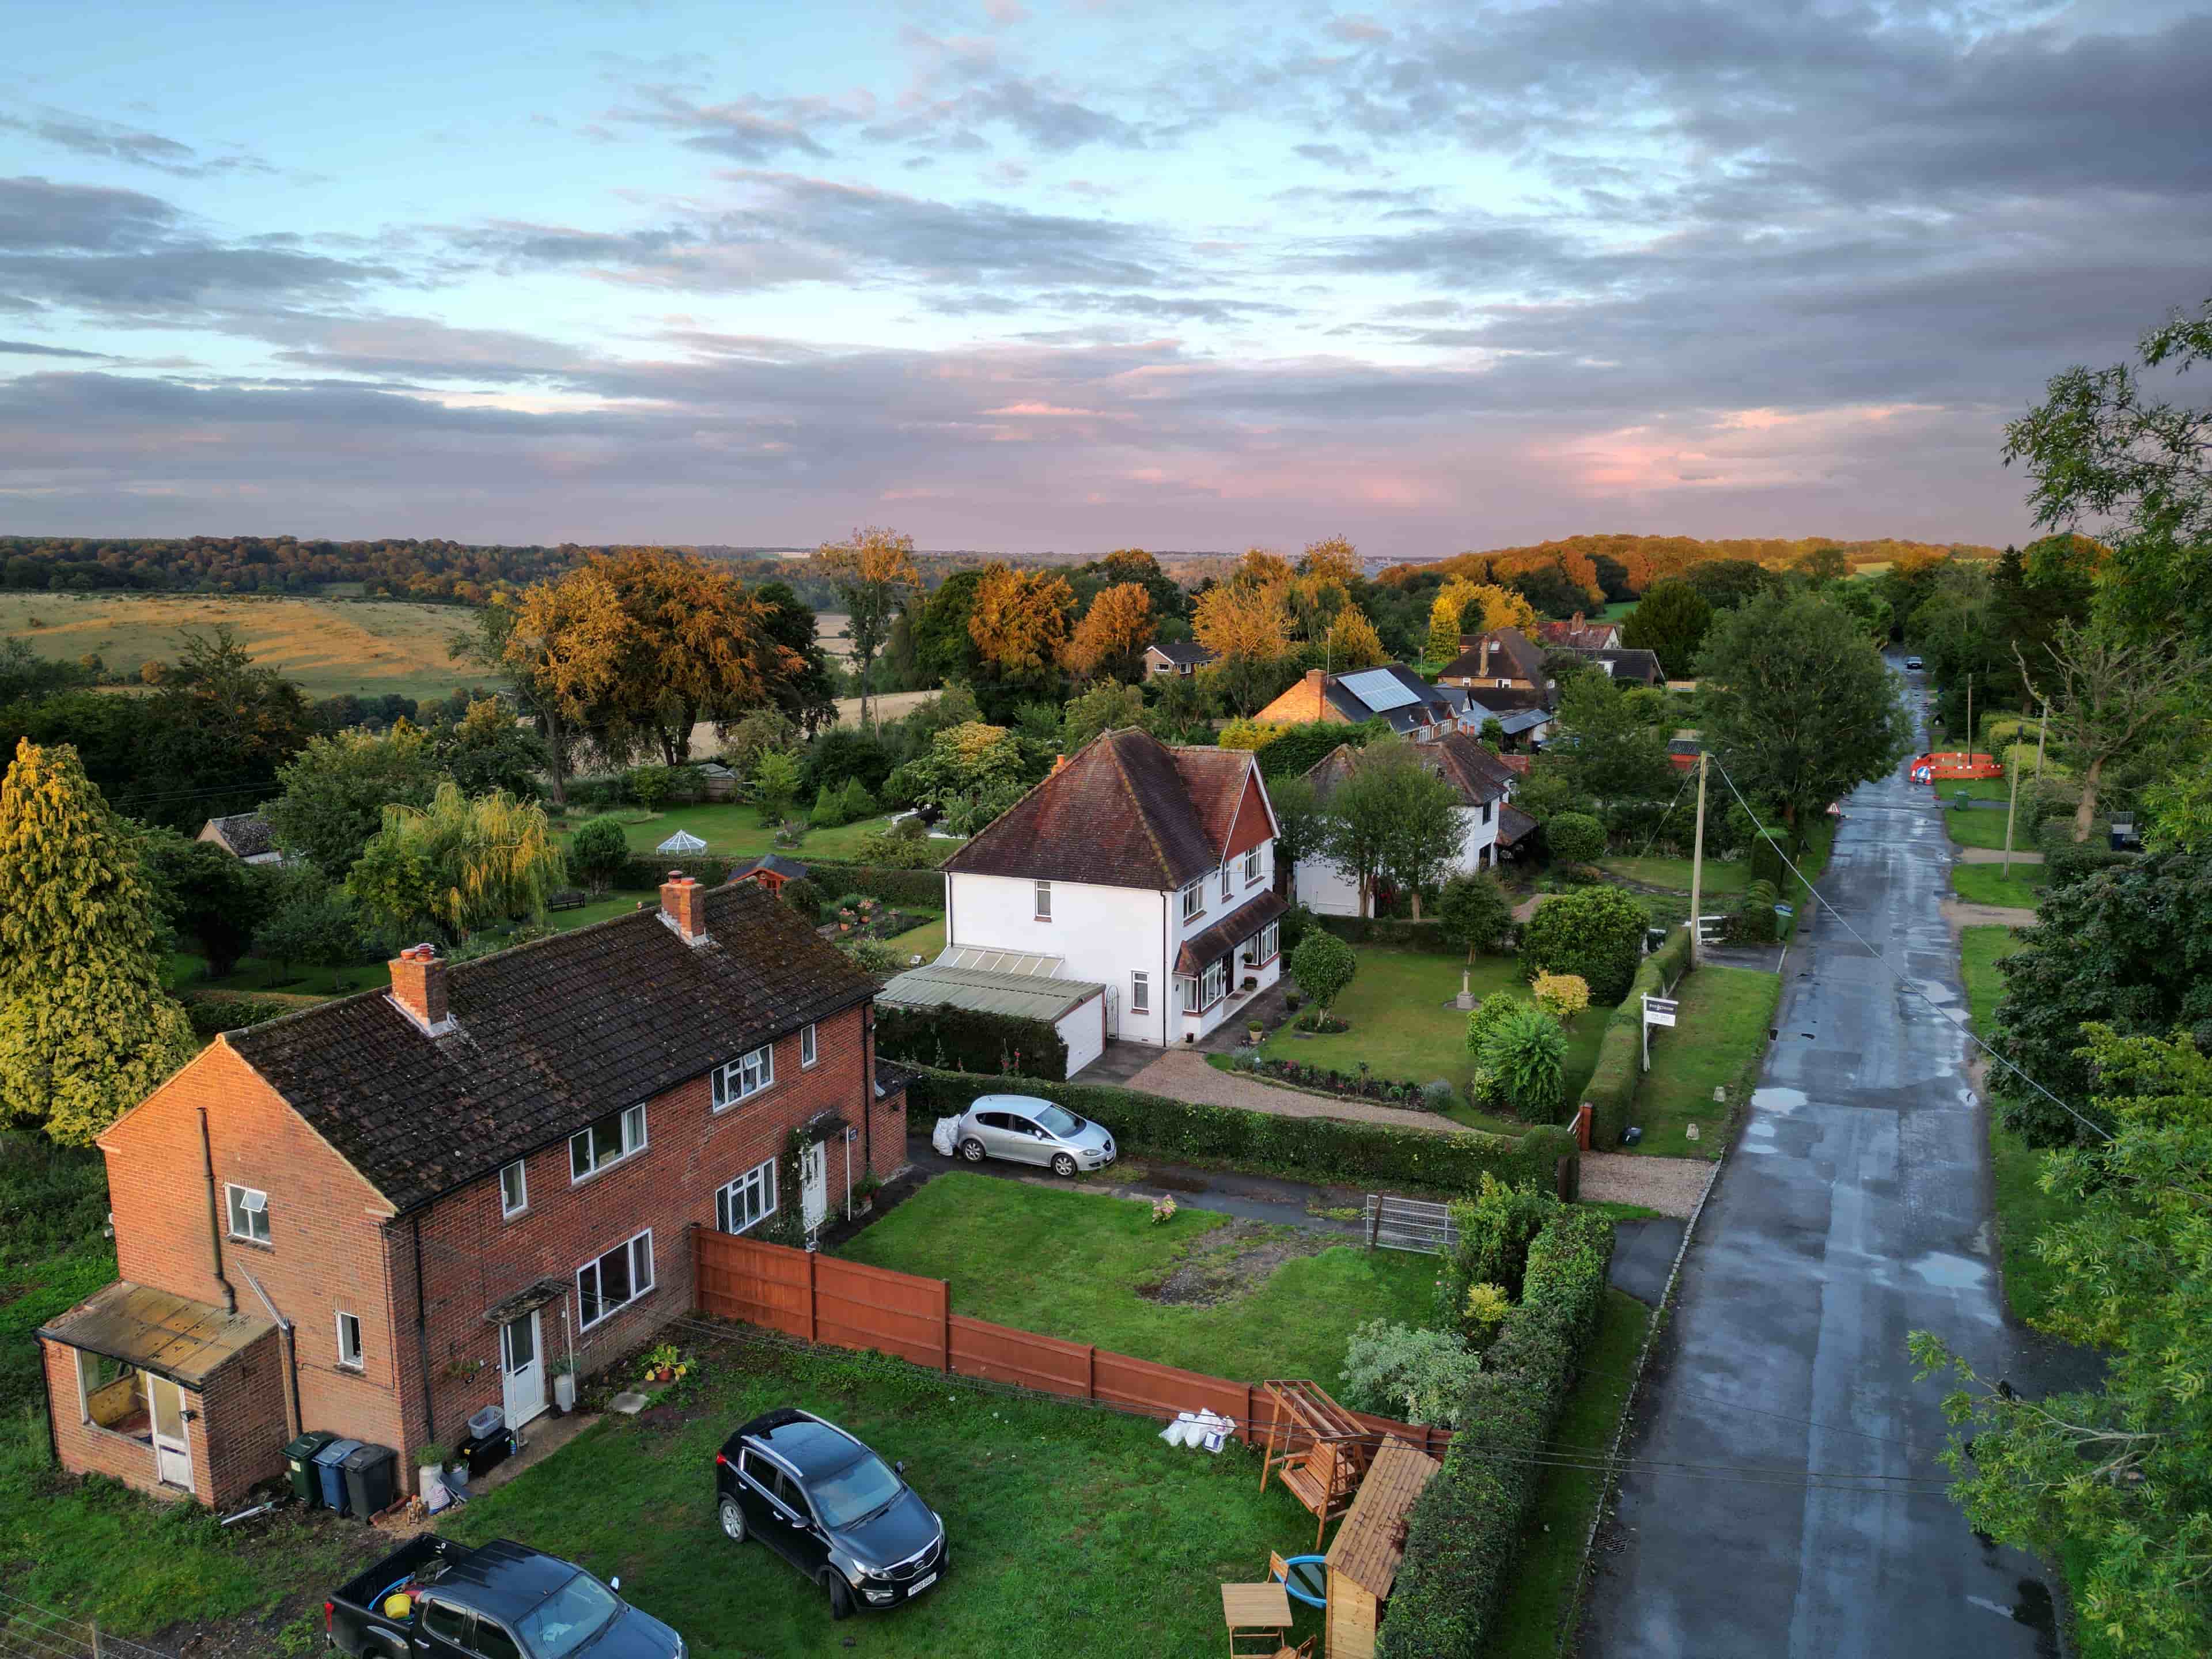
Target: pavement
(1854, 1209)
(1957, 914)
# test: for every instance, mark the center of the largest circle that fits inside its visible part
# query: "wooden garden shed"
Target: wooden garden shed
(1363, 1561)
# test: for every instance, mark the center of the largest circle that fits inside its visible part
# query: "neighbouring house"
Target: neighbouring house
(1182, 657)
(1394, 694)
(246, 836)
(1516, 831)
(1485, 785)
(1502, 659)
(377, 1215)
(771, 871)
(1521, 715)
(1632, 664)
(1143, 869)
(1581, 634)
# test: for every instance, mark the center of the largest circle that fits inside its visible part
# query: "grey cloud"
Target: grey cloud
(32, 348)
(106, 141)
(751, 131)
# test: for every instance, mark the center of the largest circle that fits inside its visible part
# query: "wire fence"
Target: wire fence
(30, 1631)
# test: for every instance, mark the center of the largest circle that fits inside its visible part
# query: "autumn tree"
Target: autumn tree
(1354, 643)
(85, 1031)
(564, 643)
(457, 864)
(873, 570)
(1245, 626)
(1019, 622)
(1490, 607)
(2105, 689)
(696, 647)
(1335, 557)
(1111, 638)
(1258, 567)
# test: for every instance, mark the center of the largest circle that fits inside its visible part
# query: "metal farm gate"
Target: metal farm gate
(1409, 1224)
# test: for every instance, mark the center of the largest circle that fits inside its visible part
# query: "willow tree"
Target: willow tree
(458, 865)
(85, 1031)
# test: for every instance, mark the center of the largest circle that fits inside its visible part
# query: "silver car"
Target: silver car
(1023, 1129)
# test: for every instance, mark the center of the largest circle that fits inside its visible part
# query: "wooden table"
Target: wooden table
(1260, 1611)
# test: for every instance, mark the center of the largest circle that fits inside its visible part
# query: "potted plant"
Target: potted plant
(564, 1385)
(1256, 1031)
(430, 1475)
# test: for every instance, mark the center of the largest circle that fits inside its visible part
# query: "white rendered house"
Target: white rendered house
(1485, 785)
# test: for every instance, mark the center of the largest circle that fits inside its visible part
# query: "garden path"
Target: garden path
(1996, 855)
(1185, 1076)
(1959, 915)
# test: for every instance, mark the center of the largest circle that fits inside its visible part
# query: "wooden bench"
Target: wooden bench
(568, 899)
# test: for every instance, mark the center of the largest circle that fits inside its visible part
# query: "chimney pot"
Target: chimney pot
(683, 907)
(418, 986)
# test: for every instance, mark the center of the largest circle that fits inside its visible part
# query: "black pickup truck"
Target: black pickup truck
(441, 1600)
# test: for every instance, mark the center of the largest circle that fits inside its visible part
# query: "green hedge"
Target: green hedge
(1610, 1090)
(1307, 1148)
(1301, 747)
(646, 871)
(1464, 1535)
(209, 1015)
(2065, 862)
(1399, 934)
(969, 1040)
(880, 881)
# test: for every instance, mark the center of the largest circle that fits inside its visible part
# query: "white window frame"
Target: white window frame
(808, 1049)
(759, 1181)
(1043, 906)
(1187, 993)
(629, 1120)
(507, 1211)
(1487, 808)
(640, 1286)
(349, 1361)
(1194, 899)
(239, 1201)
(1271, 944)
(1140, 992)
(1216, 976)
(1252, 867)
(749, 1074)
(1224, 880)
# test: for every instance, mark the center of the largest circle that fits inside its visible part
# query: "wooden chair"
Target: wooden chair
(1304, 1650)
(1325, 1479)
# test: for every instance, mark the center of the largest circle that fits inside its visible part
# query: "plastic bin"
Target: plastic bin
(300, 1463)
(329, 1470)
(368, 1478)
(487, 1423)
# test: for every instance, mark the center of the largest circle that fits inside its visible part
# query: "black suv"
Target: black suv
(831, 1508)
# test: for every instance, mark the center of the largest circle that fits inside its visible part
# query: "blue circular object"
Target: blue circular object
(1306, 1579)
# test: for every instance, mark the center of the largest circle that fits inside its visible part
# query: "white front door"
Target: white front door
(172, 1446)
(521, 1370)
(813, 1184)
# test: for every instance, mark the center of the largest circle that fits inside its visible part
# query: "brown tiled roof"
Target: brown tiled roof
(1242, 923)
(1505, 699)
(247, 834)
(1456, 757)
(1127, 810)
(547, 1038)
(1575, 636)
(1512, 824)
(1523, 658)
(1181, 651)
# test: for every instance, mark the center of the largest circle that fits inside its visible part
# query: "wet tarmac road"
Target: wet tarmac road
(1855, 1207)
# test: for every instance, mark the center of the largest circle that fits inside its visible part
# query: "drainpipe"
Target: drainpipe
(422, 1338)
(215, 1215)
(867, 1088)
(298, 1418)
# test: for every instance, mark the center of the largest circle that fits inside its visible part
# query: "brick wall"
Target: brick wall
(236, 1431)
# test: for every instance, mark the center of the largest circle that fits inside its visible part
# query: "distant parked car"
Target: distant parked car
(1023, 1129)
(1913, 662)
(830, 1507)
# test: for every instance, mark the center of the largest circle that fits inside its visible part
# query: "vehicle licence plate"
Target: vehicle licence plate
(921, 1584)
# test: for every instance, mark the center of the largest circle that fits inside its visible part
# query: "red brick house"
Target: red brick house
(377, 1215)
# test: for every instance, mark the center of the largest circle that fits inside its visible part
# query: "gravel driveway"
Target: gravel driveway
(1671, 1185)
(1185, 1076)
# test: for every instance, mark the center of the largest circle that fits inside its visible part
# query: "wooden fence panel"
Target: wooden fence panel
(857, 1306)
(760, 1284)
(1000, 1353)
(1163, 1390)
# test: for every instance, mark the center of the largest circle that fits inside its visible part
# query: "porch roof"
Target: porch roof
(158, 1331)
(1224, 936)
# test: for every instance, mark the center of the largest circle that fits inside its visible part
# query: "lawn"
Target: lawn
(1730, 876)
(733, 830)
(1542, 1591)
(2023, 1208)
(1072, 1530)
(1399, 1005)
(1723, 1019)
(1070, 1264)
(1980, 826)
(1988, 884)
(925, 941)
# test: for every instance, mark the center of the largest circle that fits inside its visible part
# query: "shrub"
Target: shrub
(1485, 1310)
(209, 1015)
(2066, 862)
(1494, 1232)
(598, 852)
(1317, 1149)
(872, 957)
(1323, 965)
(1610, 1090)
(967, 1040)
(1474, 912)
(1560, 995)
(904, 845)
(1297, 922)
(896, 885)
(1575, 838)
(828, 809)
(1417, 1375)
(1437, 1095)
(855, 802)
(1248, 734)
(1525, 1051)
(1465, 1532)
(1595, 934)
(1481, 1088)
(1486, 1016)
(648, 786)
(804, 896)
(1754, 921)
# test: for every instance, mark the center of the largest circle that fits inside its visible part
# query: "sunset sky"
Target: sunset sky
(1027, 277)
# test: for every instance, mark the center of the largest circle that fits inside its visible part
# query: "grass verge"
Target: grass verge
(1724, 1016)
(1075, 1265)
(1988, 884)
(2023, 1208)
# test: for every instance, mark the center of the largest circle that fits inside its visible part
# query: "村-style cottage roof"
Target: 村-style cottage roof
(547, 1038)
(1125, 810)
(1456, 757)
(245, 833)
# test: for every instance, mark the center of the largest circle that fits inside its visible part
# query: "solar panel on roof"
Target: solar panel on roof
(1379, 689)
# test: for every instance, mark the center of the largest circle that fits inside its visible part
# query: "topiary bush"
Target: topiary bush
(597, 853)
(1754, 921)
(1595, 934)
(1575, 838)
(828, 809)
(804, 896)
(1474, 912)
(1323, 965)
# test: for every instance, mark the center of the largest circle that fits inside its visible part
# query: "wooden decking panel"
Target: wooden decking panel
(1367, 1548)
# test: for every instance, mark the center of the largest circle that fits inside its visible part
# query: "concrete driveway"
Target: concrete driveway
(1854, 1209)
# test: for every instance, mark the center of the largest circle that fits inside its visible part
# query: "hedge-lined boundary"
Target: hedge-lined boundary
(1319, 1149)
(1399, 932)
(210, 1014)
(646, 871)
(969, 1040)
(1465, 1533)
(1611, 1091)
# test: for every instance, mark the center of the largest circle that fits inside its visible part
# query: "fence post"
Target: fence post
(1090, 1372)
(945, 1315)
(96, 1639)
(1373, 1218)
(813, 1310)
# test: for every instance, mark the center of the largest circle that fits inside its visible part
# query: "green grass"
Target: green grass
(2023, 1209)
(1988, 884)
(1675, 873)
(733, 830)
(1617, 612)
(1403, 1024)
(1977, 826)
(1068, 1264)
(925, 941)
(1542, 1592)
(1723, 1019)
(52, 1252)
(1072, 1531)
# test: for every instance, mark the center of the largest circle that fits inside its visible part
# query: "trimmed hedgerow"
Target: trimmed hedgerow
(969, 1040)
(1465, 1533)
(1610, 1090)
(209, 1015)
(1398, 932)
(879, 881)
(1307, 1148)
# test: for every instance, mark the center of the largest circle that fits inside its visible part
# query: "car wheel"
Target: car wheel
(972, 1150)
(840, 1596)
(1063, 1165)
(731, 1515)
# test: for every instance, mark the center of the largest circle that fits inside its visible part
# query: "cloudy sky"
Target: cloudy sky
(1014, 274)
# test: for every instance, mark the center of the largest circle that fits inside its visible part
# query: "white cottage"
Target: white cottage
(1485, 785)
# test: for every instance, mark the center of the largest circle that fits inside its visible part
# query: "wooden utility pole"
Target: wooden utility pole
(2012, 805)
(1697, 868)
(2042, 724)
(1969, 717)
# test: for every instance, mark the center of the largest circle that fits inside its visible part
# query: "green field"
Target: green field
(1988, 884)
(1074, 1263)
(1977, 826)
(1724, 1016)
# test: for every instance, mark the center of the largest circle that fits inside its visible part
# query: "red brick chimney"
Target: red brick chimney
(1483, 671)
(418, 986)
(1578, 619)
(1315, 677)
(683, 907)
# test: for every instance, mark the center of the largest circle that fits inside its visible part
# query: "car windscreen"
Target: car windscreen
(859, 1488)
(1054, 1121)
(569, 1617)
